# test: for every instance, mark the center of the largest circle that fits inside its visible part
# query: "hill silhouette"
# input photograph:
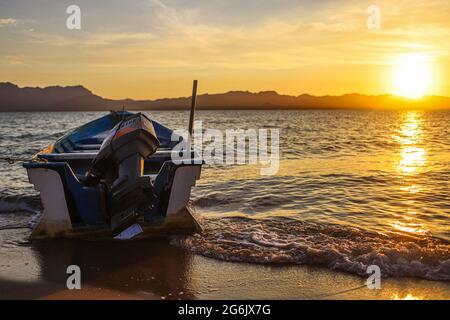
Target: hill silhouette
(78, 98)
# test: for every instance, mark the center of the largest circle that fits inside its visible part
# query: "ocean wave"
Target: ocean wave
(344, 248)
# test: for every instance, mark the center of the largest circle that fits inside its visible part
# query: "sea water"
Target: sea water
(354, 188)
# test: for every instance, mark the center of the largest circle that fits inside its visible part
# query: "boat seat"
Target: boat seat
(68, 156)
(79, 146)
(82, 177)
(91, 154)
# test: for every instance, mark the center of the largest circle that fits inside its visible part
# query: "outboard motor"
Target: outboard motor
(119, 167)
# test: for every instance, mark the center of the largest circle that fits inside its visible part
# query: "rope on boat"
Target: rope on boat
(327, 295)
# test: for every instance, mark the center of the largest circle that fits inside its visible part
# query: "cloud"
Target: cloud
(185, 36)
(109, 39)
(7, 22)
(170, 38)
(14, 60)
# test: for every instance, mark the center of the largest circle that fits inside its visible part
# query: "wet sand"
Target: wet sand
(155, 269)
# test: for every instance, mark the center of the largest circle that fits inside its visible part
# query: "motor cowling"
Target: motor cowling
(118, 168)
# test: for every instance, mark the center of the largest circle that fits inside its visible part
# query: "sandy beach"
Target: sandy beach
(155, 269)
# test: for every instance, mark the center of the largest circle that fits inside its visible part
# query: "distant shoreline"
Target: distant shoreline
(226, 109)
(77, 98)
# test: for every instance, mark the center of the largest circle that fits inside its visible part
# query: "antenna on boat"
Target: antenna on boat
(193, 103)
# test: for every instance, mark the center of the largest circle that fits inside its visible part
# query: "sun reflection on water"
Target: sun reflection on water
(413, 156)
(409, 296)
(412, 160)
(411, 188)
(414, 228)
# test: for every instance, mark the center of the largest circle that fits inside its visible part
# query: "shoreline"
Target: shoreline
(157, 270)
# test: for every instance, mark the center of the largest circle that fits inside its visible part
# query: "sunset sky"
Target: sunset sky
(154, 48)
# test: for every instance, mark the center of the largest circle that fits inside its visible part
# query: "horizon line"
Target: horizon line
(231, 91)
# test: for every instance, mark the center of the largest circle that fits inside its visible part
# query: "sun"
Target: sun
(412, 76)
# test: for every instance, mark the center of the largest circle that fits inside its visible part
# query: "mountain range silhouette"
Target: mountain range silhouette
(78, 98)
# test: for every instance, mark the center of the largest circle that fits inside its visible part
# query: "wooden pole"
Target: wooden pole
(193, 104)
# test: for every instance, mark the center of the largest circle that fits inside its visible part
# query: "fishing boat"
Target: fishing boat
(115, 177)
